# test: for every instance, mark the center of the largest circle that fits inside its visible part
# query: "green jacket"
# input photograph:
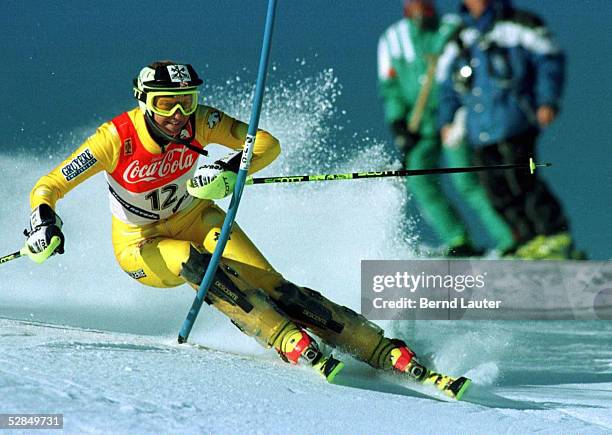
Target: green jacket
(403, 53)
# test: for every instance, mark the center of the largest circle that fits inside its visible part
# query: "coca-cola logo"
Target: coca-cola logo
(174, 160)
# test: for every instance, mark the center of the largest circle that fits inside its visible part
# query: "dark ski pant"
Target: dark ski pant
(523, 199)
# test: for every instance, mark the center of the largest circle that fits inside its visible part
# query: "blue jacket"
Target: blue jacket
(502, 67)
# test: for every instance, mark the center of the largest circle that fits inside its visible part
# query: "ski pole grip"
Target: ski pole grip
(41, 257)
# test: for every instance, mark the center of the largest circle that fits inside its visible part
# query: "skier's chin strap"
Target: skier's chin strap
(160, 134)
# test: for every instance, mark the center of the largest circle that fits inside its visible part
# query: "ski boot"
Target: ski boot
(464, 250)
(553, 247)
(296, 345)
(404, 360)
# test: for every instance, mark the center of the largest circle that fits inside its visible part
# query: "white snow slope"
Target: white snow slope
(121, 383)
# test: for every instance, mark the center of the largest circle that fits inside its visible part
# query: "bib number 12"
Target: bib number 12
(169, 197)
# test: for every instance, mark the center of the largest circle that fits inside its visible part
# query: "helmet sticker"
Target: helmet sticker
(147, 74)
(179, 73)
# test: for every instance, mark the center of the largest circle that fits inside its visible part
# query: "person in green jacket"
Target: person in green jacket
(407, 57)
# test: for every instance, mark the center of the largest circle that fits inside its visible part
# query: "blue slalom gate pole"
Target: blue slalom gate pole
(245, 163)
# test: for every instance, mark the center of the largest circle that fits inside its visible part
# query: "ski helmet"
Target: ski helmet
(164, 76)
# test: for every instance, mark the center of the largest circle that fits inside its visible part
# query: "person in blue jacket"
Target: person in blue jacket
(504, 67)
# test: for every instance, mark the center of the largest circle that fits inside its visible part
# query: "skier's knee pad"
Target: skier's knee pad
(222, 286)
(195, 266)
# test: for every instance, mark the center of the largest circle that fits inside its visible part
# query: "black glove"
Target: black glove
(230, 162)
(44, 225)
(404, 140)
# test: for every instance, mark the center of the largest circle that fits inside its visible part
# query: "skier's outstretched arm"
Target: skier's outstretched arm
(99, 152)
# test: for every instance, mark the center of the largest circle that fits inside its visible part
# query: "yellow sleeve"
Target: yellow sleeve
(99, 152)
(214, 126)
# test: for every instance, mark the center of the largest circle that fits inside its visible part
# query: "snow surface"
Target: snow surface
(123, 383)
(115, 367)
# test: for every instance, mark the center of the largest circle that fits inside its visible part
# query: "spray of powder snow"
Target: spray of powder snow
(317, 233)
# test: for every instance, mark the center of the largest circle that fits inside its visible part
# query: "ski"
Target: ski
(452, 387)
(417, 372)
(328, 367)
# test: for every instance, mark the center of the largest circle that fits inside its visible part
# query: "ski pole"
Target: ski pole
(37, 258)
(13, 256)
(245, 163)
(398, 173)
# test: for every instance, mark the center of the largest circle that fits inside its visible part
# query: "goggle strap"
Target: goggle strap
(140, 95)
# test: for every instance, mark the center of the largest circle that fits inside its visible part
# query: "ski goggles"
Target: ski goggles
(166, 103)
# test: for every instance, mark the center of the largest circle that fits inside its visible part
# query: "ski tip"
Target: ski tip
(329, 367)
(335, 370)
(459, 387)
